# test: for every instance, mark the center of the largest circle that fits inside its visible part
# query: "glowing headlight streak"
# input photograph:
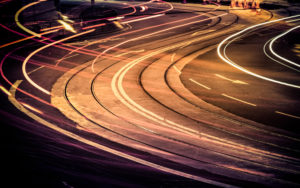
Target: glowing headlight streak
(276, 38)
(26, 38)
(52, 126)
(5, 91)
(150, 34)
(40, 49)
(10, 83)
(230, 62)
(143, 8)
(18, 22)
(62, 46)
(141, 19)
(275, 60)
(67, 26)
(31, 108)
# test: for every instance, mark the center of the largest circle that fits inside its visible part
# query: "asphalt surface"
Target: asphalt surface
(139, 96)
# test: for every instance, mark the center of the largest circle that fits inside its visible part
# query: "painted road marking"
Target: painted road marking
(289, 115)
(238, 100)
(233, 81)
(204, 86)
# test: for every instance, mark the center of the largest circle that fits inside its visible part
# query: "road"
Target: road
(149, 94)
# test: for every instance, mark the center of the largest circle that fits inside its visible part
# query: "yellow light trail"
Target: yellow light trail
(236, 99)
(52, 126)
(40, 49)
(67, 26)
(5, 91)
(18, 22)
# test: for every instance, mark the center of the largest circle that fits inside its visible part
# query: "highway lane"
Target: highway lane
(275, 105)
(114, 92)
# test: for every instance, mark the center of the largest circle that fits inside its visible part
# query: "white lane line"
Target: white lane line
(232, 38)
(236, 99)
(233, 81)
(204, 86)
(177, 70)
(289, 115)
(172, 57)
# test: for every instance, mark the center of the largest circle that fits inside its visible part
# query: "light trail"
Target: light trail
(153, 33)
(31, 108)
(239, 100)
(52, 126)
(40, 49)
(26, 38)
(231, 38)
(265, 52)
(67, 26)
(18, 22)
(204, 86)
(142, 19)
(5, 90)
(276, 38)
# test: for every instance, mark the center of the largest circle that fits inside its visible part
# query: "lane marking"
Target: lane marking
(231, 38)
(14, 101)
(233, 81)
(204, 86)
(172, 57)
(289, 21)
(228, 96)
(289, 115)
(176, 69)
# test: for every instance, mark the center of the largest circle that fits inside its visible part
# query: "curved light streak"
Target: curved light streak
(265, 52)
(40, 49)
(105, 148)
(18, 22)
(230, 62)
(150, 34)
(276, 38)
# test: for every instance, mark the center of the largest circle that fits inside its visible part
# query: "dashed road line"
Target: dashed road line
(236, 99)
(204, 86)
(289, 115)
